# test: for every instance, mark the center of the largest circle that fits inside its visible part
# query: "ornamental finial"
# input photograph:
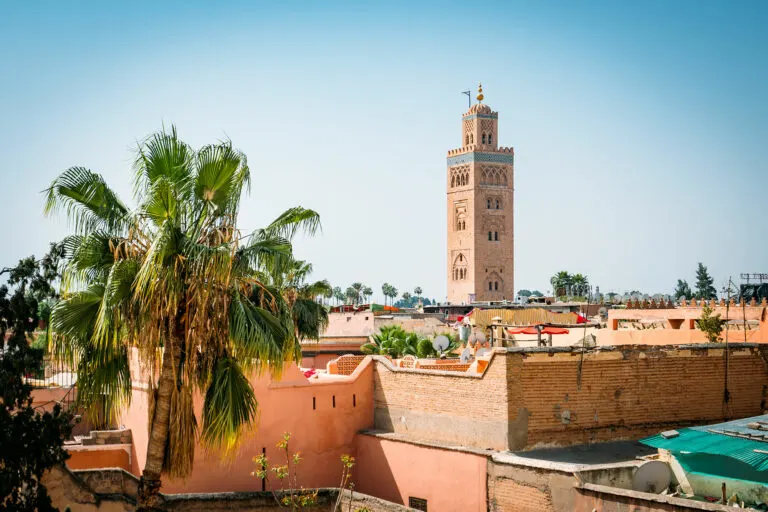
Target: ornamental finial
(480, 92)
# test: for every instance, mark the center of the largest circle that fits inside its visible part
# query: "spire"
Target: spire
(480, 92)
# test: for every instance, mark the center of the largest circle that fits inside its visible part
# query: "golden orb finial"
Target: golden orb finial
(480, 93)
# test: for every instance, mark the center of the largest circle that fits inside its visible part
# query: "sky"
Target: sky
(639, 128)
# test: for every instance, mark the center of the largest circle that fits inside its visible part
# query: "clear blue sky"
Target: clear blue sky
(640, 128)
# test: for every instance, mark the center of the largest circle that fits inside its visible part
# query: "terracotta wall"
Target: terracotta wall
(560, 398)
(459, 408)
(322, 433)
(394, 470)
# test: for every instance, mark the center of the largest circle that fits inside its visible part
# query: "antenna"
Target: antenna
(469, 97)
(441, 343)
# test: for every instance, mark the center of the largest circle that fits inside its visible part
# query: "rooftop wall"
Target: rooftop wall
(553, 396)
(323, 415)
(452, 407)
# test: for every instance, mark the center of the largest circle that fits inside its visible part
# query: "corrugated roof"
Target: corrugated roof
(732, 439)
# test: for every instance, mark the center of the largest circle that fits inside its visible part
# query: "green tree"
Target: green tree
(417, 291)
(524, 293)
(367, 293)
(177, 279)
(386, 290)
(579, 285)
(704, 284)
(561, 283)
(711, 325)
(338, 294)
(30, 441)
(536, 293)
(351, 295)
(358, 287)
(289, 278)
(682, 290)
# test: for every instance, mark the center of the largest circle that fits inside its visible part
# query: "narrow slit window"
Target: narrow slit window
(354, 400)
(334, 401)
(314, 403)
(490, 236)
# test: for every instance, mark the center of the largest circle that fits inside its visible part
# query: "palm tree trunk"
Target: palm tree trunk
(149, 486)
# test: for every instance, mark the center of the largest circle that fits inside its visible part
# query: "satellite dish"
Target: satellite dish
(440, 343)
(480, 337)
(472, 338)
(465, 355)
(482, 352)
(652, 476)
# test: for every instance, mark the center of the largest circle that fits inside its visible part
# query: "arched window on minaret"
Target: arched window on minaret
(490, 286)
(496, 286)
(490, 236)
(466, 140)
(488, 204)
(471, 138)
(497, 204)
(496, 236)
(483, 138)
(490, 139)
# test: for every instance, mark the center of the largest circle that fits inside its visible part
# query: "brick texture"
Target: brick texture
(511, 496)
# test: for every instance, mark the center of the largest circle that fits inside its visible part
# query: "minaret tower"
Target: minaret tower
(480, 221)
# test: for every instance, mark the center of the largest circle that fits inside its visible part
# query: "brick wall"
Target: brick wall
(629, 393)
(524, 489)
(449, 407)
(509, 495)
(530, 397)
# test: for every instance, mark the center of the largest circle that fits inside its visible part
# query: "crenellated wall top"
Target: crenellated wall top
(478, 147)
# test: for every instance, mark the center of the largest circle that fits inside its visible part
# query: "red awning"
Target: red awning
(554, 330)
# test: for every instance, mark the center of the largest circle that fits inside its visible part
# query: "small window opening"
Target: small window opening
(497, 204)
(490, 139)
(490, 286)
(466, 140)
(354, 400)
(417, 503)
(496, 285)
(488, 204)
(314, 403)
(490, 236)
(496, 236)
(483, 138)
(334, 401)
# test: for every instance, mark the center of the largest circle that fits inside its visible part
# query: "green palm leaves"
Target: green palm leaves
(175, 277)
(394, 341)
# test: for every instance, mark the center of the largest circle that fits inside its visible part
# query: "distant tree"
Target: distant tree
(367, 293)
(359, 291)
(711, 325)
(524, 293)
(30, 442)
(392, 293)
(406, 296)
(579, 285)
(561, 283)
(351, 295)
(536, 293)
(682, 290)
(385, 289)
(338, 294)
(704, 287)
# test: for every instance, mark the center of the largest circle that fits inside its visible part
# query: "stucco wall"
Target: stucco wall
(395, 470)
(322, 433)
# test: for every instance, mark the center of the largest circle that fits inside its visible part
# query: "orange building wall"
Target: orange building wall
(99, 458)
(322, 434)
(394, 470)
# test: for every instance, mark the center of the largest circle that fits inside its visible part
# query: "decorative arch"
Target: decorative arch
(459, 269)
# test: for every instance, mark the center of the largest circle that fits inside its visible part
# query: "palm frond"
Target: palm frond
(230, 406)
(87, 200)
(293, 221)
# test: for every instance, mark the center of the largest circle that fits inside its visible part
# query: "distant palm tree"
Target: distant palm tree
(386, 289)
(579, 284)
(178, 280)
(367, 292)
(338, 295)
(561, 283)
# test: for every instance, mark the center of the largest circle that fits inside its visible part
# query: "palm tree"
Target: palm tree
(417, 291)
(386, 290)
(288, 277)
(176, 279)
(351, 295)
(561, 283)
(407, 299)
(367, 292)
(580, 284)
(359, 291)
(338, 294)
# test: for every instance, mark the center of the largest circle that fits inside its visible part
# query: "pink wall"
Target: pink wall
(322, 434)
(394, 470)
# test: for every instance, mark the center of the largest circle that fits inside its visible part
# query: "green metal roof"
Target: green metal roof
(721, 440)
